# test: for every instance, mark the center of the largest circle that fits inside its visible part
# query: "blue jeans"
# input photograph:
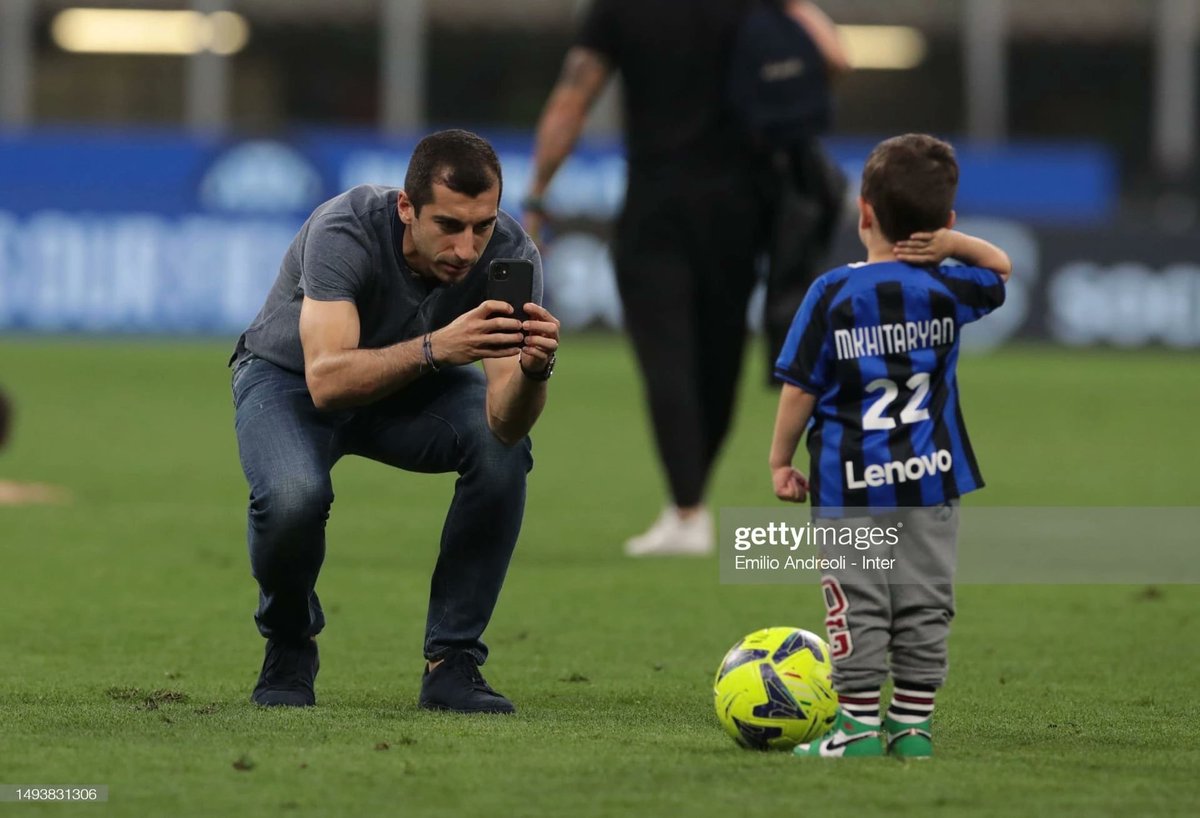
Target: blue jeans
(436, 424)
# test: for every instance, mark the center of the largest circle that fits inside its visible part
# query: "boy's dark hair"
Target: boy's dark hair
(460, 160)
(911, 182)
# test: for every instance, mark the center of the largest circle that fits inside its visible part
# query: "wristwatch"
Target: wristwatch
(545, 374)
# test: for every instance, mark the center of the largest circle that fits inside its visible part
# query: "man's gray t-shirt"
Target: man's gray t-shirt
(350, 250)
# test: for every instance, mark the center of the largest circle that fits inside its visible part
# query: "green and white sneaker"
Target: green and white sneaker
(849, 738)
(909, 740)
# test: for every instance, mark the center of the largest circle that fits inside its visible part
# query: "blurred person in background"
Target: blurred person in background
(785, 60)
(13, 493)
(695, 221)
(364, 347)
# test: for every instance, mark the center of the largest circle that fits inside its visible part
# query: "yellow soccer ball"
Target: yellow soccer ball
(773, 690)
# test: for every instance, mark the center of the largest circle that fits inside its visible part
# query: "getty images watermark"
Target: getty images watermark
(961, 544)
(782, 546)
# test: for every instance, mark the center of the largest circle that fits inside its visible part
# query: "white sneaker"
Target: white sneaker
(673, 535)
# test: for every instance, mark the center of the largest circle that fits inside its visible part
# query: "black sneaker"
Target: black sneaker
(287, 676)
(456, 684)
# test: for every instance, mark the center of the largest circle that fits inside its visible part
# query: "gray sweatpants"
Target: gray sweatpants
(891, 595)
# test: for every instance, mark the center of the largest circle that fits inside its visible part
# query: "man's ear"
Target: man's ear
(866, 214)
(953, 220)
(404, 205)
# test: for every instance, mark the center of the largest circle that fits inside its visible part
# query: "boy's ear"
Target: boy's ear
(866, 214)
(953, 220)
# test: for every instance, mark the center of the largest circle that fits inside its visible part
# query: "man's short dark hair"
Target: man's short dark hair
(460, 160)
(911, 182)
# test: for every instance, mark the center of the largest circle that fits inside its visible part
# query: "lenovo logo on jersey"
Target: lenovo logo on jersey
(900, 471)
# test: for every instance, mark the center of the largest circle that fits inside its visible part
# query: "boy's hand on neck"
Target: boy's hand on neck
(934, 248)
(927, 248)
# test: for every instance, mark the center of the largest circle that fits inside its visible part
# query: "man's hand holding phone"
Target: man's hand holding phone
(540, 342)
(488, 331)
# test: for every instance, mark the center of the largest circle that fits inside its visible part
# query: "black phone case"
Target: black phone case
(511, 280)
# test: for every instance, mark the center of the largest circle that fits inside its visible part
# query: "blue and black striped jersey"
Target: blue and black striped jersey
(877, 344)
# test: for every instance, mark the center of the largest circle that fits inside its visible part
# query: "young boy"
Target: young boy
(869, 370)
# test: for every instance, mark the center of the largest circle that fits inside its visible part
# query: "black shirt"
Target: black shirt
(674, 57)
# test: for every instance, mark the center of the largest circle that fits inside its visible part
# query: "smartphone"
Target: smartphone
(511, 280)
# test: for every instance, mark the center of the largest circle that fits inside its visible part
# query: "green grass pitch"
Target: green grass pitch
(129, 650)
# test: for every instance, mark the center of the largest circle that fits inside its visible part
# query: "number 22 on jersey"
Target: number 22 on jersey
(912, 412)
